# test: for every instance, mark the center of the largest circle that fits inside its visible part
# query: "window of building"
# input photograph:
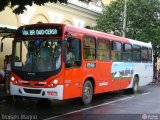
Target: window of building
(103, 49)
(127, 52)
(116, 52)
(89, 48)
(136, 53)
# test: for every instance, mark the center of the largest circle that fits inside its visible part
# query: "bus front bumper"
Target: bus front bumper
(50, 93)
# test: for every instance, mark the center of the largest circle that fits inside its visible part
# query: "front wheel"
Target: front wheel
(87, 92)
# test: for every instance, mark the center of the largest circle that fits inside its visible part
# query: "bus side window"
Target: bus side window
(89, 48)
(73, 53)
(150, 55)
(18, 54)
(103, 49)
(127, 52)
(136, 53)
(116, 52)
(144, 54)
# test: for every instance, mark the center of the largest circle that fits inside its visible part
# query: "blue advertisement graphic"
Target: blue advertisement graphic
(122, 70)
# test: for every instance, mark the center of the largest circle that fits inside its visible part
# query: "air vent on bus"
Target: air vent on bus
(32, 91)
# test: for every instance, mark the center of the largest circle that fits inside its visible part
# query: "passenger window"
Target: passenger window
(127, 52)
(150, 55)
(73, 53)
(144, 54)
(103, 49)
(136, 53)
(89, 48)
(116, 52)
(17, 53)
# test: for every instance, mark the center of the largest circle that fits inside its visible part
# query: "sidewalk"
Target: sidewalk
(3, 94)
(155, 82)
(4, 97)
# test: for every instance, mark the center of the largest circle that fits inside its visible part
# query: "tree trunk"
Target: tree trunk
(155, 66)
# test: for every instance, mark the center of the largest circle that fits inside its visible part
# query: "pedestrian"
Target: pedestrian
(2, 74)
(5, 62)
(8, 73)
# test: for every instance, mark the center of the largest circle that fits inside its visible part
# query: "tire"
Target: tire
(87, 92)
(134, 88)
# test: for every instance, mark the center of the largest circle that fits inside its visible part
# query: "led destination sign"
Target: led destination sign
(29, 31)
(39, 32)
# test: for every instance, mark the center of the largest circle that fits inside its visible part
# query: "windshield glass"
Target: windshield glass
(37, 55)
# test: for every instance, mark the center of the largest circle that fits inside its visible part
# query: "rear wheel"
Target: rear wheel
(134, 88)
(87, 92)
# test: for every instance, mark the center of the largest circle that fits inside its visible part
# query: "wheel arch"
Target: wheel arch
(136, 75)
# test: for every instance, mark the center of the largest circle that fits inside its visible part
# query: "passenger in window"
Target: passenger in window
(144, 56)
(29, 56)
(70, 57)
(57, 57)
(45, 59)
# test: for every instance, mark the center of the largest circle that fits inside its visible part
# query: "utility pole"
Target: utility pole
(124, 18)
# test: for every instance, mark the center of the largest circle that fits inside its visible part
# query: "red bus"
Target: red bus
(57, 61)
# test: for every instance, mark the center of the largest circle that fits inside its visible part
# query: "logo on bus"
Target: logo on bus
(91, 65)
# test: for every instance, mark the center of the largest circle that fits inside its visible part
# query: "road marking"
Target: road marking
(126, 98)
(146, 93)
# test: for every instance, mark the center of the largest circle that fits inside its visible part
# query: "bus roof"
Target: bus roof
(96, 33)
(107, 35)
(136, 42)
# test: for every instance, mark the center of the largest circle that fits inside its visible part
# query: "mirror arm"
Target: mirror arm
(2, 44)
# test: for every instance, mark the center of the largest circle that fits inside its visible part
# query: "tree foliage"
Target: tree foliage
(143, 20)
(20, 5)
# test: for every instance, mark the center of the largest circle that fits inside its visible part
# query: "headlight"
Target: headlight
(53, 83)
(12, 79)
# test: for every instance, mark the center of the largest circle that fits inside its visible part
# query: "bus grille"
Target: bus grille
(32, 91)
(29, 77)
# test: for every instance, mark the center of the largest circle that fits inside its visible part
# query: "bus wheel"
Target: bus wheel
(135, 85)
(87, 92)
(134, 88)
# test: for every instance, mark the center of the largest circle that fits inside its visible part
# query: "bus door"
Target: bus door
(73, 70)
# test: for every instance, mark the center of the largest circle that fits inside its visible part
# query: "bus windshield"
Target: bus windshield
(37, 55)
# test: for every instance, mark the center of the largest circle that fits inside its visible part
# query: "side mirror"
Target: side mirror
(1, 46)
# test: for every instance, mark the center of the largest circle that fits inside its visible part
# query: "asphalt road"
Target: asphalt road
(109, 106)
